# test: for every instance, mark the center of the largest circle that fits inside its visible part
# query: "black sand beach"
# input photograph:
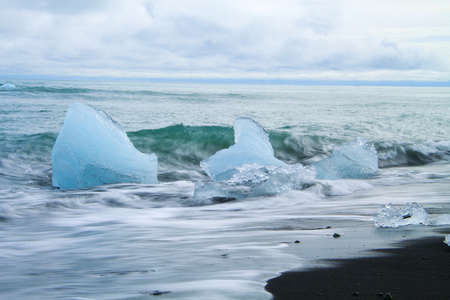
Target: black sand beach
(418, 269)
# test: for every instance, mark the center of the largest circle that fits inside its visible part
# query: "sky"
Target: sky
(237, 39)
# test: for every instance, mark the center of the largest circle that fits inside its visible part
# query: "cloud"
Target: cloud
(288, 38)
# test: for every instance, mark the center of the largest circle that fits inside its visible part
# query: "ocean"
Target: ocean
(138, 241)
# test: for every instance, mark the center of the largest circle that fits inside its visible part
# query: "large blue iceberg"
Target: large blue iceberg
(252, 146)
(92, 149)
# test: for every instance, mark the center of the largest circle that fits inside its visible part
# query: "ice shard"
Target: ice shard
(411, 214)
(7, 86)
(252, 180)
(354, 160)
(92, 149)
(252, 146)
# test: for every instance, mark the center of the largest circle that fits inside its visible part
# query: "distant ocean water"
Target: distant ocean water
(130, 241)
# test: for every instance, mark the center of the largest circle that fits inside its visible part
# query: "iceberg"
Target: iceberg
(412, 214)
(249, 168)
(252, 146)
(354, 160)
(7, 86)
(92, 149)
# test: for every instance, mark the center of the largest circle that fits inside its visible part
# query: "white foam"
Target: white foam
(441, 220)
(342, 187)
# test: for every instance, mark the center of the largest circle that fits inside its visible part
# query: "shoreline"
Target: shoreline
(417, 269)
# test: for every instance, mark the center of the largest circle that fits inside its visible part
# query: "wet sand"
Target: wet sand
(417, 269)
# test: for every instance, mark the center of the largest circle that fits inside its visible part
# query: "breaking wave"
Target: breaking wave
(182, 147)
(393, 154)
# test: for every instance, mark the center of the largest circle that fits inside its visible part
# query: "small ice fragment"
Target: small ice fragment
(447, 239)
(206, 193)
(354, 160)
(252, 146)
(7, 86)
(265, 180)
(412, 214)
(441, 220)
(253, 180)
(92, 149)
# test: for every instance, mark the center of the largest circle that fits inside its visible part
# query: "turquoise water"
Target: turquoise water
(127, 241)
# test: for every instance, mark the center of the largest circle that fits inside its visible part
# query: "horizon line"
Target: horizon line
(276, 81)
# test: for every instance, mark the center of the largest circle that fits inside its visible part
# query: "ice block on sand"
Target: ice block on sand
(411, 214)
(92, 149)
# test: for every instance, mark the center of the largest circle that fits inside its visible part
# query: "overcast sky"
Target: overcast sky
(287, 39)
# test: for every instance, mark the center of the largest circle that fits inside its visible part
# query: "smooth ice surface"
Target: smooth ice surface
(252, 146)
(357, 159)
(7, 86)
(92, 149)
(412, 214)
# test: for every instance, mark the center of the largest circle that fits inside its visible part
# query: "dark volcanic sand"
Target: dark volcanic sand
(420, 269)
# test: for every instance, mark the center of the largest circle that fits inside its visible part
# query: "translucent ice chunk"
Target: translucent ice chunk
(218, 192)
(271, 180)
(412, 214)
(253, 180)
(7, 86)
(447, 239)
(252, 147)
(354, 160)
(250, 169)
(92, 149)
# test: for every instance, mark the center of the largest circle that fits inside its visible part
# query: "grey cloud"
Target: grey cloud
(56, 6)
(201, 37)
